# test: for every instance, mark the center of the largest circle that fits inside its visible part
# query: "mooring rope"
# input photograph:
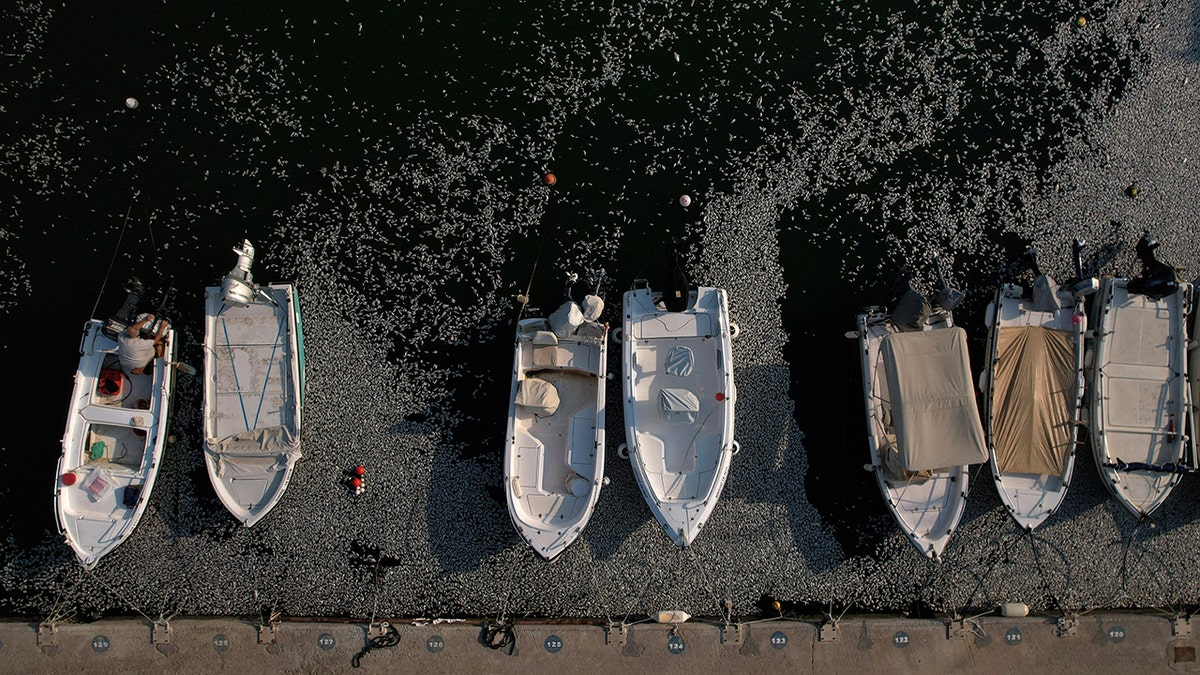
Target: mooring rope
(54, 615)
(124, 599)
(390, 638)
(112, 260)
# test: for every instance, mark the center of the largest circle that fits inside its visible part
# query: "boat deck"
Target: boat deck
(681, 455)
(1141, 405)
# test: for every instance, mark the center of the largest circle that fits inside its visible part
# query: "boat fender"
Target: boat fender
(1014, 609)
(736, 448)
(617, 335)
(623, 451)
(734, 330)
(516, 487)
(673, 616)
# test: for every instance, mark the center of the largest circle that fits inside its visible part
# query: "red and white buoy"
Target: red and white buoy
(358, 479)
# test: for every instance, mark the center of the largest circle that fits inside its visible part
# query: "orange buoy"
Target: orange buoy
(720, 396)
(550, 179)
(356, 483)
(68, 479)
(360, 471)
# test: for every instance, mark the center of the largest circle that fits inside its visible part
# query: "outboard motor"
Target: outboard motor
(126, 316)
(676, 290)
(1158, 279)
(911, 309)
(238, 288)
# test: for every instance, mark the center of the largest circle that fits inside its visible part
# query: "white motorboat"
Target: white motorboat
(116, 428)
(253, 389)
(679, 402)
(1033, 391)
(554, 455)
(923, 427)
(1140, 393)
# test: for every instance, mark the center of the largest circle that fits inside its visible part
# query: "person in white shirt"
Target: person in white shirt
(136, 352)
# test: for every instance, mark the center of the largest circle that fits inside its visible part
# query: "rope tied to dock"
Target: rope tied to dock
(389, 639)
(499, 635)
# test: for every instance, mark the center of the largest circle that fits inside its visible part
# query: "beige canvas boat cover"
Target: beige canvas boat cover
(933, 399)
(537, 396)
(1032, 400)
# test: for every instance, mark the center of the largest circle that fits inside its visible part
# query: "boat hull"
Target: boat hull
(554, 459)
(928, 509)
(1030, 498)
(680, 456)
(112, 446)
(1140, 395)
(253, 389)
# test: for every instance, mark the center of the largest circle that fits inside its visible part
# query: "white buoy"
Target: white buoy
(685, 201)
(131, 103)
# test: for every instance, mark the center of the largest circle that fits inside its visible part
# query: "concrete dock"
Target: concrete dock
(1109, 642)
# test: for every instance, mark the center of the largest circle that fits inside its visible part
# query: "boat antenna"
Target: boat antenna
(1082, 286)
(1077, 256)
(948, 298)
(117, 250)
(1031, 255)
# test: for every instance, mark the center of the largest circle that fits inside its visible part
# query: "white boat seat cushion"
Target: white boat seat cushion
(537, 396)
(680, 361)
(679, 405)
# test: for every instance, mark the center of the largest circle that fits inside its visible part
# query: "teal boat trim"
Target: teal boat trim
(299, 338)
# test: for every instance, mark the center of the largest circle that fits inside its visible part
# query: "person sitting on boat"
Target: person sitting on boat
(136, 352)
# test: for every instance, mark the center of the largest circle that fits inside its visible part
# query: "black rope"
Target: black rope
(112, 260)
(390, 638)
(499, 635)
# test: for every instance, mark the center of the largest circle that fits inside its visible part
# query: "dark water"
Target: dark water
(403, 129)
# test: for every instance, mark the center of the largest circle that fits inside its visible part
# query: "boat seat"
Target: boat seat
(680, 361)
(537, 396)
(545, 349)
(679, 406)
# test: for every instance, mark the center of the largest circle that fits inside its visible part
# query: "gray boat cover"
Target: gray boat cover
(593, 307)
(566, 319)
(1045, 294)
(590, 330)
(1032, 399)
(933, 399)
(679, 405)
(256, 443)
(537, 396)
(680, 361)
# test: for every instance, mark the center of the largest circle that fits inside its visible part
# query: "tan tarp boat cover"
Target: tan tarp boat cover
(933, 399)
(537, 396)
(1032, 400)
